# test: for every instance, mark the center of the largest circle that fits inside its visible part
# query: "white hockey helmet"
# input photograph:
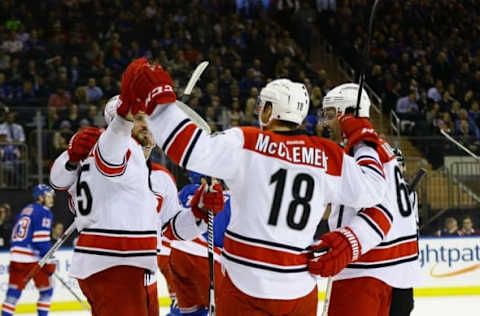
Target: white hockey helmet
(345, 96)
(111, 108)
(290, 101)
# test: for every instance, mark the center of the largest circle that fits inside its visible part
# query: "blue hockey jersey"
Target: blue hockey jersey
(30, 239)
(220, 221)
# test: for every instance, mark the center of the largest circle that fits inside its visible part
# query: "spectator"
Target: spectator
(60, 99)
(61, 137)
(450, 228)
(57, 231)
(467, 227)
(94, 93)
(435, 93)
(14, 131)
(5, 226)
(474, 113)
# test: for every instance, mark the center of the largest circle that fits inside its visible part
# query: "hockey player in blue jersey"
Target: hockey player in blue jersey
(30, 241)
(188, 264)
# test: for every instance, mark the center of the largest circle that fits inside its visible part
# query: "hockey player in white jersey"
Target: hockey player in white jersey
(280, 181)
(115, 196)
(386, 232)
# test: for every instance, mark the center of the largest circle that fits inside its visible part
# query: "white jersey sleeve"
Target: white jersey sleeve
(60, 177)
(112, 149)
(188, 145)
(174, 220)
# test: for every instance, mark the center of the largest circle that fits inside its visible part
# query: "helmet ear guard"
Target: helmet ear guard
(344, 99)
(289, 100)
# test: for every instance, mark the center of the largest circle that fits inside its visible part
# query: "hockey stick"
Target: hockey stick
(194, 116)
(65, 284)
(366, 57)
(453, 140)
(416, 180)
(328, 293)
(50, 252)
(202, 124)
(211, 266)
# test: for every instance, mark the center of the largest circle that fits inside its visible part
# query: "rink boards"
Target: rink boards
(451, 266)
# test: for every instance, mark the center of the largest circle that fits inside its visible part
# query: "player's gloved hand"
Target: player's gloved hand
(203, 201)
(357, 129)
(127, 96)
(49, 268)
(81, 143)
(154, 86)
(343, 248)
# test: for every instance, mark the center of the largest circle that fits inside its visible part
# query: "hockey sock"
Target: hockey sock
(199, 312)
(43, 303)
(11, 299)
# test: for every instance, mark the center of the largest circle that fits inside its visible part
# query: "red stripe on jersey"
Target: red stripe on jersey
(39, 235)
(21, 252)
(180, 143)
(108, 169)
(169, 234)
(8, 308)
(409, 248)
(159, 202)
(117, 243)
(166, 243)
(204, 243)
(159, 167)
(372, 163)
(379, 218)
(44, 305)
(298, 149)
(261, 254)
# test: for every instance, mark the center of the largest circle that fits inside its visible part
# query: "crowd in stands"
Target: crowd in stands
(52, 60)
(450, 228)
(425, 61)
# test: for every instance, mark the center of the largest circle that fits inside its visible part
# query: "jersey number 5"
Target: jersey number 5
(299, 200)
(84, 196)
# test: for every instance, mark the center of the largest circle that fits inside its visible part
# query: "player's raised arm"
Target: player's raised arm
(63, 172)
(178, 136)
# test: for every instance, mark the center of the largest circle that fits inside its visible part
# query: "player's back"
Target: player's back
(115, 213)
(32, 226)
(277, 203)
(394, 223)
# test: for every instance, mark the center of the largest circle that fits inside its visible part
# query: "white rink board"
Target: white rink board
(439, 257)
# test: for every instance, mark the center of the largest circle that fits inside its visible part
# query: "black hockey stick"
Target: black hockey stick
(366, 57)
(416, 180)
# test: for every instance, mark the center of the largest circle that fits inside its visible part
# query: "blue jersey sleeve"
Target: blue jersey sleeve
(42, 225)
(187, 193)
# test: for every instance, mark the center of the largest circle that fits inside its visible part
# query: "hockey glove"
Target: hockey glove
(81, 143)
(356, 130)
(49, 268)
(203, 201)
(343, 248)
(127, 95)
(154, 86)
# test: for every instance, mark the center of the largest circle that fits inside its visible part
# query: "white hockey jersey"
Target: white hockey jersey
(280, 185)
(387, 232)
(118, 204)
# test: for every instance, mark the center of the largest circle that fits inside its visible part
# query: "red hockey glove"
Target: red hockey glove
(202, 202)
(127, 95)
(81, 143)
(49, 268)
(153, 85)
(344, 248)
(357, 129)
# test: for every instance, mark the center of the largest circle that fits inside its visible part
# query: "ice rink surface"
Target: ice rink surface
(438, 306)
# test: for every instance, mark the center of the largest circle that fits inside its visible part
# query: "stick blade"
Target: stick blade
(195, 76)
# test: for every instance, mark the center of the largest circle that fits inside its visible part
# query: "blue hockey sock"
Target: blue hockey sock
(43, 303)
(11, 299)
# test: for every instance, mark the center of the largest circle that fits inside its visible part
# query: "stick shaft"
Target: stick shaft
(50, 252)
(65, 284)
(211, 265)
(328, 293)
